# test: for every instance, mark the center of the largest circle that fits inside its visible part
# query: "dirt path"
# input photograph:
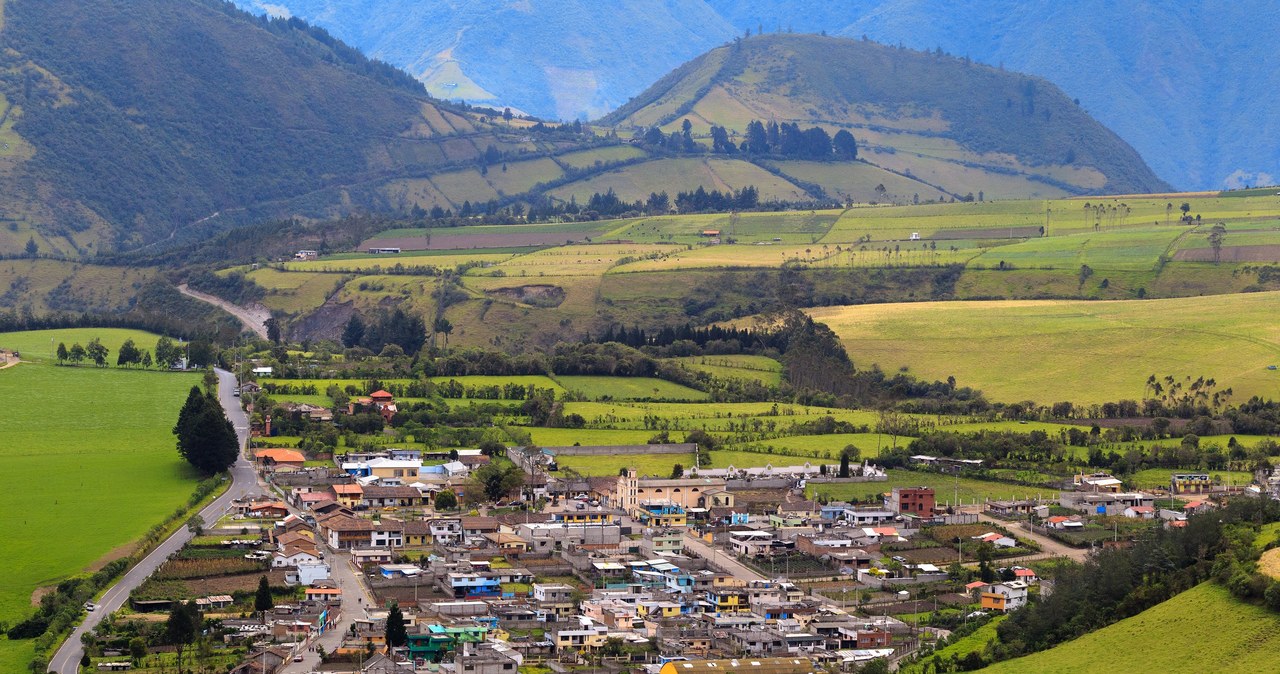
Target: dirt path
(253, 318)
(1051, 547)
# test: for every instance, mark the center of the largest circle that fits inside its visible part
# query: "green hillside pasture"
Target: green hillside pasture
(646, 464)
(293, 292)
(729, 256)
(462, 186)
(855, 181)
(600, 156)
(788, 227)
(1233, 637)
(109, 471)
(976, 641)
(565, 437)
(638, 181)
(1083, 352)
(762, 369)
(519, 177)
(43, 344)
(970, 491)
(1132, 249)
(375, 291)
(1065, 282)
(629, 388)
(591, 259)
(973, 220)
(74, 286)
(375, 263)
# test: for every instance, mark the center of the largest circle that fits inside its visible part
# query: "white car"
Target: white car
(90, 606)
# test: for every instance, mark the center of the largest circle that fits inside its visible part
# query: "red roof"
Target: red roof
(975, 585)
(281, 455)
(381, 395)
(1024, 573)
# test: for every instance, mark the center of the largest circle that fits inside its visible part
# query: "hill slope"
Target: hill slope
(130, 123)
(1170, 637)
(1152, 71)
(922, 114)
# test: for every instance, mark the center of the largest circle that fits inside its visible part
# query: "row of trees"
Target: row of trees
(167, 353)
(784, 139)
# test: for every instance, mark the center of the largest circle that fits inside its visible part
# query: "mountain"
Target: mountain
(128, 124)
(561, 59)
(1179, 81)
(944, 121)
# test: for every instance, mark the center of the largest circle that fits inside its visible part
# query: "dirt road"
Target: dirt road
(253, 318)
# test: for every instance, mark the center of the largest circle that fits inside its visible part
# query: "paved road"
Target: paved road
(254, 318)
(355, 599)
(244, 482)
(719, 558)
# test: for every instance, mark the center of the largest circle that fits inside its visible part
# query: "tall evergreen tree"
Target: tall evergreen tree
(397, 633)
(206, 438)
(262, 600)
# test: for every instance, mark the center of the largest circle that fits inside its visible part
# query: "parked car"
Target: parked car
(90, 606)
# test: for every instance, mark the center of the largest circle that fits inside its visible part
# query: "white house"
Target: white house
(293, 556)
(998, 540)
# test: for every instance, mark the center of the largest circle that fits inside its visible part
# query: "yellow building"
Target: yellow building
(631, 491)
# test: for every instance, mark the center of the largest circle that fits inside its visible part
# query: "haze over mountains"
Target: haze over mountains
(1155, 72)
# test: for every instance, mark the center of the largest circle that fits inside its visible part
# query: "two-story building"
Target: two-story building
(1005, 597)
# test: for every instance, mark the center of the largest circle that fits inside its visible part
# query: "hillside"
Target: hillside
(1163, 639)
(1151, 71)
(943, 122)
(189, 116)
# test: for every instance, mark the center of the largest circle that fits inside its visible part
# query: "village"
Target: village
(386, 561)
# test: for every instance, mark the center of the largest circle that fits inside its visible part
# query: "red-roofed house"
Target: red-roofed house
(348, 495)
(270, 510)
(280, 457)
(1140, 512)
(1025, 574)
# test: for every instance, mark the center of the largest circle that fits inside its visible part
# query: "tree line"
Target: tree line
(167, 354)
(784, 139)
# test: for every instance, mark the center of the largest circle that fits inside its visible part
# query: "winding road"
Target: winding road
(244, 482)
(254, 319)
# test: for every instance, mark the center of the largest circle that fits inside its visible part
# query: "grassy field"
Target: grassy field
(366, 263)
(1159, 477)
(645, 464)
(970, 491)
(637, 181)
(564, 437)
(628, 388)
(962, 647)
(1070, 350)
(763, 369)
(108, 472)
(1170, 637)
(41, 344)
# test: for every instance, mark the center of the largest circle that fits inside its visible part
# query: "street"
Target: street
(719, 558)
(244, 482)
(355, 599)
(1048, 545)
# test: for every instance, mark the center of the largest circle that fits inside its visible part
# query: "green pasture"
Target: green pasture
(1153, 478)
(602, 155)
(970, 491)
(788, 227)
(628, 388)
(762, 369)
(565, 437)
(1137, 248)
(645, 464)
(106, 467)
(1204, 629)
(976, 641)
(828, 447)
(43, 344)
(293, 291)
(1078, 351)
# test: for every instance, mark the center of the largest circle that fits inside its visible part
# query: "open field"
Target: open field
(1070, 350)
(645, 464)
(628, 388)
(375, 263)
(1161, 639)
(42, 344)
(637, 181)
(763, 369)
(108, 473)
(970, 491)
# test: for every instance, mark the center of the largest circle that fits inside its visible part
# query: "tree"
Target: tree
(273, 330)
(443, 326)
(206, 438)
(262, 601)
(32, 249)
(844, 465)
(493, 481)
(1216, 236)
(62, 352)
(210, 381)
(195, 525)
(77, 353)
(353, 334)
(846, 146)
(397, 632)
(182, 626)
(146, 359)
(85, 661)
(128, 354)
(677, 471)
(166, 352)
(97, 352)
(446, 500)
(137, 649)
(506, 114)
